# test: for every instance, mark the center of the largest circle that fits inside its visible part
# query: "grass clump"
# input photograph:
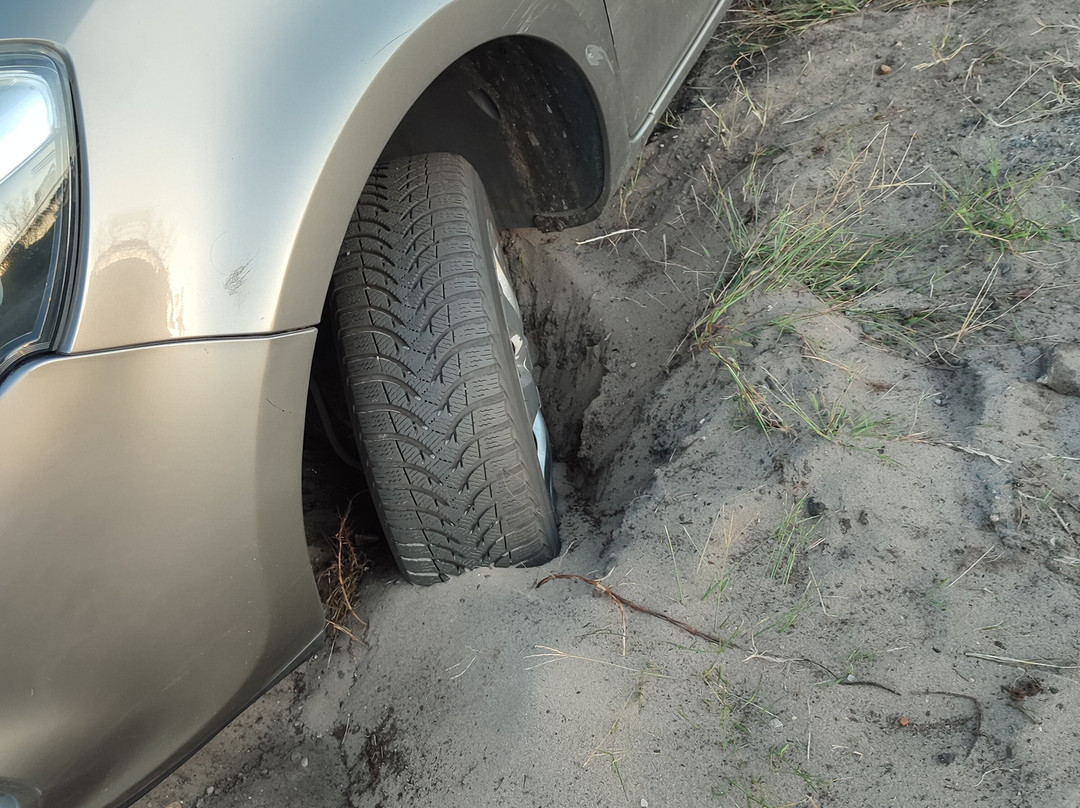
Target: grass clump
(990, 207)
(860, 657)
(1054, 82)
(820, 247)
(833, 419)
(829, 248)
(793, 536)
(760, 24)
(798, 246)
(823, 247)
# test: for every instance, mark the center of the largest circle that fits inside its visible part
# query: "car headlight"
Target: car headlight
(14, 795)
(37, 199)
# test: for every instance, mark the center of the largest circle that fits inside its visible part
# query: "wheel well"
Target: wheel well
(522, 113)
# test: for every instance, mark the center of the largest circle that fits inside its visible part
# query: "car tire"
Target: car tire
(438, 375)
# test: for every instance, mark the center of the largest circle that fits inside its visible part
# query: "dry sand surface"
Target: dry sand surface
(814, 380)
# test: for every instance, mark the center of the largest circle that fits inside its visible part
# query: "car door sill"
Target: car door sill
(685, 64)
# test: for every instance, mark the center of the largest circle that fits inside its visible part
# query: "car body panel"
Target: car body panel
(644, 66)
(158, 569)
(675, 81)
(201, 263)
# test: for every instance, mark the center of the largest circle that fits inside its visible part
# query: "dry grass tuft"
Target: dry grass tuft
(761, 24)
(339, 582)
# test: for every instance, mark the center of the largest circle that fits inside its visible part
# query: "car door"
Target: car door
(654, 41)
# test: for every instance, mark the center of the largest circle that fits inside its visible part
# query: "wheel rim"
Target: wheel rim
(519, 344)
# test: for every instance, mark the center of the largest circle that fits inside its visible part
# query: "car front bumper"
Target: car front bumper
(153, 572)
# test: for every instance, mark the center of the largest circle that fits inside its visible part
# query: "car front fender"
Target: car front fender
(224, 144)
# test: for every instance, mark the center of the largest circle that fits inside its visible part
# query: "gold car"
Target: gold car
(188, 193)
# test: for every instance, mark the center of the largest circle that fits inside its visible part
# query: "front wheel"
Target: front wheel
(438, 375)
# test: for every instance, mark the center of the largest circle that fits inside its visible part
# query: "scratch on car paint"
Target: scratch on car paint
(596, 56)
(234, 284)
(525, 16)
(392, 41)
(276, 407)
(529, 13)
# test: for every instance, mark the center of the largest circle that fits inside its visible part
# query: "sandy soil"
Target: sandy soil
(872, 584)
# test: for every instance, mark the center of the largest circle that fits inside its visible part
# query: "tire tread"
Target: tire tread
(431, 379)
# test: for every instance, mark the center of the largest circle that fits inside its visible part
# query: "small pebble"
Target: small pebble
(303, 763)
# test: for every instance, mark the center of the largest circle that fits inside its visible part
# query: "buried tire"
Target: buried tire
(438, 375)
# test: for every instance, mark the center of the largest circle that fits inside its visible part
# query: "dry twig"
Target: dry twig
(1012, 661)
(341, 579)
(622, 602)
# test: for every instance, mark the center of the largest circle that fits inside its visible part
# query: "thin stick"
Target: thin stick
(705, 546)
(940, 60)
(674, 563)
(622, 617)
(555, 654)
(1010, 661)
(619, 599)
(464, 670)
(817, 588)
(843, 680)
(609, 235)
(978, 715)
(809, 724)
(997, 461)
(343, 536)
(343, 630)
(330, 655)
(975, 310)
(969, 569)
(1064, 524)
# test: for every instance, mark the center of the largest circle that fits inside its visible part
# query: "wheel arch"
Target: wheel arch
(524, 115)
(533, 103)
